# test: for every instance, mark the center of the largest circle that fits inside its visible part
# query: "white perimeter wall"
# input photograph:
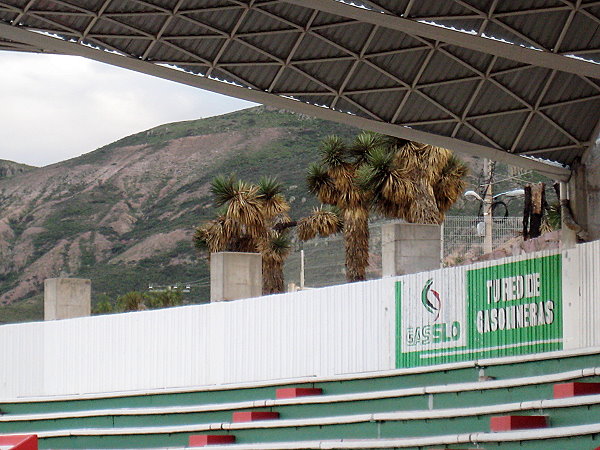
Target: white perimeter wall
(323, 332)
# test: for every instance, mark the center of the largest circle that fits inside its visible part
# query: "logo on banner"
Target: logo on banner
(431, 300)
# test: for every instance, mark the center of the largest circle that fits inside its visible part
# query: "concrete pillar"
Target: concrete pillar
(584, 191)
(410, 248)
(66, 298)
(235, 275)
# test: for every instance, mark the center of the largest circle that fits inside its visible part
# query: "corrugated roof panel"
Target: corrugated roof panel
(587, 34)
(527, 83)
(538, 135)
(577, 118)
(323, 60)
(224, 22)
(181, 26)
(492, 98)
(503, 132)
(241, 52)
(441, 67)
(469, 135)
(312, 47)
(418, 109)
(206, 49)
(455, 96)
(566, 86)
(125, 6)
(387, 40)
(296, 14)
(442, 129)
(432, 9)
(545, 33)
(478, 60)
(383, 104)
(366, 77)
(404, 66)
(280, 47)
(261, 78)
(330, 73)
(129, 46)
(292, 81)
(353, 37)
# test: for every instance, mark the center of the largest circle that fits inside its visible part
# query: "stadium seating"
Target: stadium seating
(540, 401)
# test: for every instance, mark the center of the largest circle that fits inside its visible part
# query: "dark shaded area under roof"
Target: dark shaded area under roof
(379, 73)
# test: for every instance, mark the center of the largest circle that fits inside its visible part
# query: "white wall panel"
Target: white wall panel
(581, 277)
(327, 331)
(321, 332)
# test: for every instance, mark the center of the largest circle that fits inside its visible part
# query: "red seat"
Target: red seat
(565, 390)
(251, 416)
(297, 392)
(508, 423)
(201, 440)
(20, 441)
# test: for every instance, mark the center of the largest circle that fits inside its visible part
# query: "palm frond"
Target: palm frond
(320, 184)
(271, 197)
(321, 222)
(451, 183)
(333, 151)
(223, 188)
(364, 144)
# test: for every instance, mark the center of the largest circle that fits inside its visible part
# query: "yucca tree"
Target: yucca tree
(245, 223)
(411, 181)
(395, 177)
(332, 180)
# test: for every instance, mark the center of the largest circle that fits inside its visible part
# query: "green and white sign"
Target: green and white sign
(499, 310)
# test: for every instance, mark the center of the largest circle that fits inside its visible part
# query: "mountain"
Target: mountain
(10, 169)
(124, 215)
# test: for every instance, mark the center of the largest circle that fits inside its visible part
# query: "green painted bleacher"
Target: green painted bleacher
(433, 407)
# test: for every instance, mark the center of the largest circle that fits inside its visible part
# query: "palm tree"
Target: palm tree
(247, 222)
(411, 181)
(333, 182)
(395, 177)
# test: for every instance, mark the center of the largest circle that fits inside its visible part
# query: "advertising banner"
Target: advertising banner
(498, 310)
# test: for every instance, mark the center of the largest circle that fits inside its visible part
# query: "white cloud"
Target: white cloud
(56, 107)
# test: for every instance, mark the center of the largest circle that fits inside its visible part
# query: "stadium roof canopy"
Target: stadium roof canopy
(512, 80)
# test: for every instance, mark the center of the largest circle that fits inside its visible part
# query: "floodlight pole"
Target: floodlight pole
(488, 198)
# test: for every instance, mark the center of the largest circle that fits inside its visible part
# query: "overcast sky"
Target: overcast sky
(57, 107)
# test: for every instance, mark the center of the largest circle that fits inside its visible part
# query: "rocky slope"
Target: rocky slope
(124, 214)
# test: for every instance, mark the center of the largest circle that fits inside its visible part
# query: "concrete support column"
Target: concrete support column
(235, 275)
(584, 192)
(67, 298)
(410, 248)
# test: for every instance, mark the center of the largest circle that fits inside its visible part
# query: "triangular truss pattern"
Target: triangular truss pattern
(441, 87)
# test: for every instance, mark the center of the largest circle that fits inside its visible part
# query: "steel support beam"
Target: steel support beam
(489, 46)
(53, 44)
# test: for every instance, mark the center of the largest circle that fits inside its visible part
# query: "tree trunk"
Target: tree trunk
(533, 211)
(526, 212)
(538, 200)
(273, 279)
(356, 241)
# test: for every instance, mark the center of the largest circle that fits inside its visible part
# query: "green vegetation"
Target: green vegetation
(78, 205)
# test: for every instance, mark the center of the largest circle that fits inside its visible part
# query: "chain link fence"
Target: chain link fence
(462, 239)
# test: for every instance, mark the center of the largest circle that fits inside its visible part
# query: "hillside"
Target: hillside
(124, 215)
(10, 169)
